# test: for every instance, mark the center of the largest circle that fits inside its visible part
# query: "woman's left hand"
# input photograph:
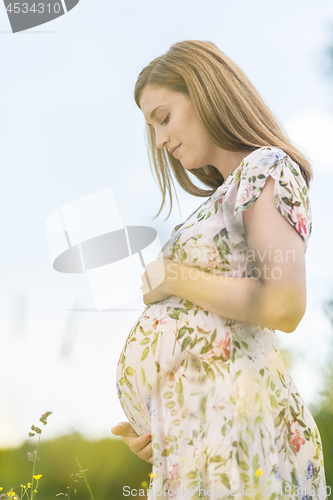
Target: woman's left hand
(157, 280)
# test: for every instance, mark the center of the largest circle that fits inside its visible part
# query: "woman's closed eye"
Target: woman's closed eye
(165, 120)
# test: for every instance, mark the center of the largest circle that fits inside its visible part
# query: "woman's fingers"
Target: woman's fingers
(140, 445)
(123, 429)
(149, 459)
(145, 451)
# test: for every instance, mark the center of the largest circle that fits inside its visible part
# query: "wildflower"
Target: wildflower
(33, 456)
(152, 474)
(29, 485)
(259, 472)
(37, 477)
(1, 488)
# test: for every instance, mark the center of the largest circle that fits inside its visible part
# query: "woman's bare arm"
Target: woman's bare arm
(275, 298)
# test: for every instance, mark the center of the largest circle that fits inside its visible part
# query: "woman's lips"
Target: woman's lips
(175, 153)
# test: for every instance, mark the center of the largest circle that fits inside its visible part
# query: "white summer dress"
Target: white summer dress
(226, 419)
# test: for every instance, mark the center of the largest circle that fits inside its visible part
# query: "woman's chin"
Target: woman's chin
(188, 166)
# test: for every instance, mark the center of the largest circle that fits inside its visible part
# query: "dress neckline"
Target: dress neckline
(225, 184)
(230, 177)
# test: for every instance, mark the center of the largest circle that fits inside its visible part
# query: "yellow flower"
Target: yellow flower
(37, 477)
(152, 474)
(29, 485)
(259, 472)
(11, 493)
(1, 488)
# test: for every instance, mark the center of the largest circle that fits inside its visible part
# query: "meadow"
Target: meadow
(108, 464)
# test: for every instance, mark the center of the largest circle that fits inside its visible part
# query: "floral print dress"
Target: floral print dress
(226, 419)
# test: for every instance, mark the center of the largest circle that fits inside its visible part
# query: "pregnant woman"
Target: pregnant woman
(209, 400)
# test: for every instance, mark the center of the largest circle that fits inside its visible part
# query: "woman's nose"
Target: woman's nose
(161, 139)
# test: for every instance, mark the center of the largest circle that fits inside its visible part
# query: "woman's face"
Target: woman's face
(177, 126)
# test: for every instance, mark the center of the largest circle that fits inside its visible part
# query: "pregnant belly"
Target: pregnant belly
(167, 337)
(156, 352)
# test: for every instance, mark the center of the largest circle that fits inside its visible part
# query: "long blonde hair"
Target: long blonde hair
(229, 107)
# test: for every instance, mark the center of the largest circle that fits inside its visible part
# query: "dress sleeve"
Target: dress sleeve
(290, 190)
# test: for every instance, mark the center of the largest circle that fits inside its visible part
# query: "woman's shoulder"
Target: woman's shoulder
(263, 162)
(290, 191)
(266, 156)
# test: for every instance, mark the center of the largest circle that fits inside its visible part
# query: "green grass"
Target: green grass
(110, 464)
(324, 422)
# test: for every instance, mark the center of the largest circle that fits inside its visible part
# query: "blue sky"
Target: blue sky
(70, 127)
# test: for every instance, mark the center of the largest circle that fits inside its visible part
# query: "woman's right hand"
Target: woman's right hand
(140, 445)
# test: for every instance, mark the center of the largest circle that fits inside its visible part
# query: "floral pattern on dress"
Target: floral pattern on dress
(224, 413)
